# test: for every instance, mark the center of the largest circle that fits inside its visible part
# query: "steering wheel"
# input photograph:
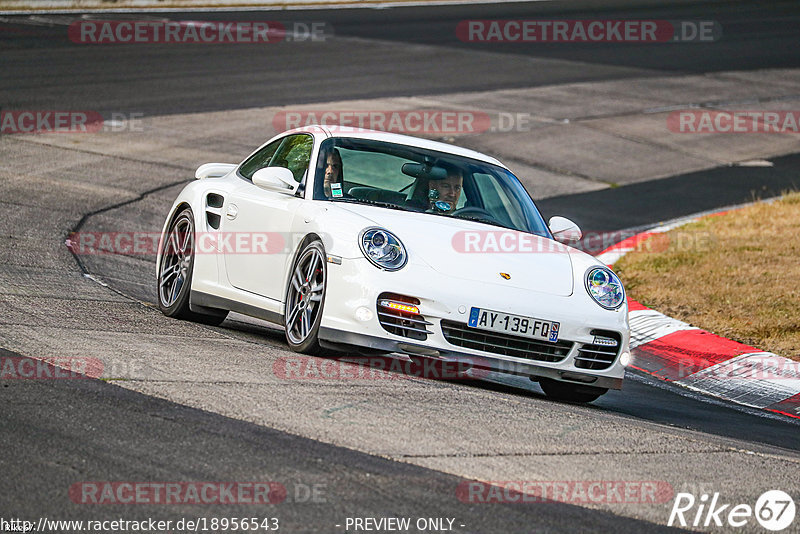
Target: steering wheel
(484, 214)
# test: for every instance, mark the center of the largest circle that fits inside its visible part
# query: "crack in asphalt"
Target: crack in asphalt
(86, 216)
(566, 453)
(327, 413)
(106, 155)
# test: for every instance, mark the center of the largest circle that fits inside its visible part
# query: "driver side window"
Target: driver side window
(292, 152)
(259, 160)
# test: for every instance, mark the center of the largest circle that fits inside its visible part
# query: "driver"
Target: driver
(443, 195)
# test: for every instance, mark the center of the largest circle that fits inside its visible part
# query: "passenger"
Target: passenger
(333, 174)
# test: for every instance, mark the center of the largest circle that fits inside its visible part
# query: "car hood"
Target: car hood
(472, 251)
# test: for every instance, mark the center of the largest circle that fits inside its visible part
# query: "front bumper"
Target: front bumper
(350, 318)
(338, 339)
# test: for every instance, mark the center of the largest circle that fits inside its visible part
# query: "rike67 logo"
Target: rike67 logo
(774, 510)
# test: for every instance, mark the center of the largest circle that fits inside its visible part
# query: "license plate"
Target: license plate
(513, 324)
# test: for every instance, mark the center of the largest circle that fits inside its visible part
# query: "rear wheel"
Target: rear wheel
(305, 298)
(175, 273)
(564, 391)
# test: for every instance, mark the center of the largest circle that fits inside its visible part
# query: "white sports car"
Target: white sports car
(371, 242)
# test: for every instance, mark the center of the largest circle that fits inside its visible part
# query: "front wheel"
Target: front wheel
(305, 298)
(175, 273)
(563, 391)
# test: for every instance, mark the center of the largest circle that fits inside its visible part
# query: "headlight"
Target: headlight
(383, 249)
(605, 288)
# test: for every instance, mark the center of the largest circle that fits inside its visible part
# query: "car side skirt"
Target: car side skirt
(199, 301)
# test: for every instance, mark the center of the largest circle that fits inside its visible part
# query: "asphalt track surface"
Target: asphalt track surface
(162, 79)
(94, 430)
(143, 438)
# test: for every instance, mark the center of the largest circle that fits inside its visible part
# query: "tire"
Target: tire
(175, 273)
(305, 299)
(563, 391)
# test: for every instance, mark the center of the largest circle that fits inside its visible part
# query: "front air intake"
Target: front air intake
(461, 335)
(601, 353)
(399, 315)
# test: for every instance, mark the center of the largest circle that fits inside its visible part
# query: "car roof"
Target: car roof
(363, 133)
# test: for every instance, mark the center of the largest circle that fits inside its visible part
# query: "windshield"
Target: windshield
(415, 179)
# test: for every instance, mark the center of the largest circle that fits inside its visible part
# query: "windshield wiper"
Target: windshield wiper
(480, 220)
(370, 203)
(401, 208)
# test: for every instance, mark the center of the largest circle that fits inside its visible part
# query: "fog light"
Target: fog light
(625, 359)
(399, 306)
(605, 341)
(363, 314)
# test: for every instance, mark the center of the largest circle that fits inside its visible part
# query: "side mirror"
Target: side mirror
(278, 179)
(564, 230)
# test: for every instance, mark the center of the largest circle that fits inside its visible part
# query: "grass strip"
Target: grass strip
(736, 274)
